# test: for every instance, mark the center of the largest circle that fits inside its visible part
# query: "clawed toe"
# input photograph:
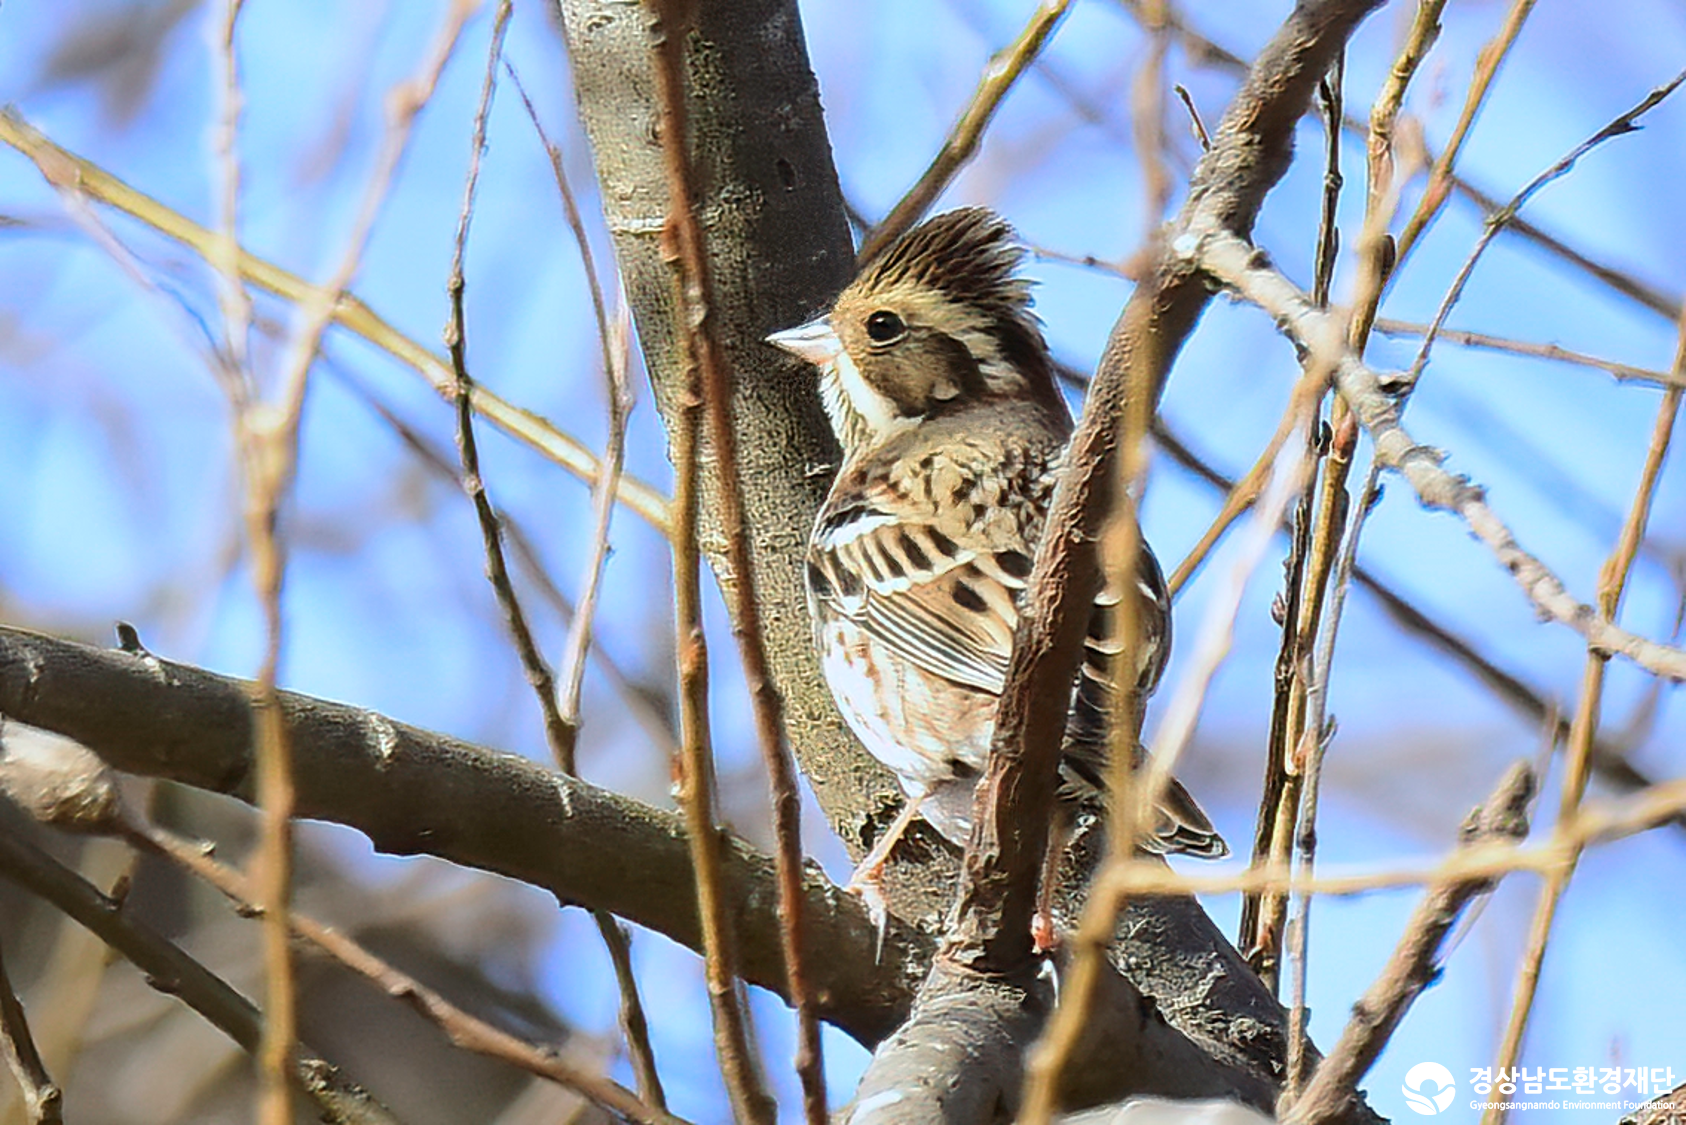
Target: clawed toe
(867, 888)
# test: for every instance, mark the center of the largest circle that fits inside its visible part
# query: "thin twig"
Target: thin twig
(1583, 731)
(232, 298)
(1384, 111)
(1504, 816)
(78, 178)
(1130, 809)
(615, 343)
(1307, 735)
(1239, 498)
(1203, 50)
(703, 380)
(1625, 123)
(172, 970)
(42, 1099)
(1147, 119)
(1004, 69)
(272, 858)
(561, 723)
(1622, 282)
(1599, 822)
(465, 1030)
(1195, 125)
(558, 734)
(634, 1026)
(268, 437)
(1264, 919)
(1234, 262)
(635, 697)
(1440, 178)
(697, 301)
(1620, 371)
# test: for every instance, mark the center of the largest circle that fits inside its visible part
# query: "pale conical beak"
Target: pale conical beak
(815, 342)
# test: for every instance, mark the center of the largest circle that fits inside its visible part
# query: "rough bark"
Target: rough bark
(779, 251)
(415, 792)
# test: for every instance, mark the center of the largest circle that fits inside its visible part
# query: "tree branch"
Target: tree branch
(42, 1098)
(1236, 263)
(1502, 817)
(171, 970)
(414, 792)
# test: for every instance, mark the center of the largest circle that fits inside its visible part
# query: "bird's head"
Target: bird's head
(940, 321)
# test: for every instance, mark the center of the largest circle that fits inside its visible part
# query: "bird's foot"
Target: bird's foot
(868, 886)
(1042, 932)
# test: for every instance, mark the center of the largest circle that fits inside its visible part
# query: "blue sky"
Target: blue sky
(123, 501)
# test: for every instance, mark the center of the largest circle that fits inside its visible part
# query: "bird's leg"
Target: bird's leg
(867, 878)
(1042, 931)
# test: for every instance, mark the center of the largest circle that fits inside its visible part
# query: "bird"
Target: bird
(939, 385)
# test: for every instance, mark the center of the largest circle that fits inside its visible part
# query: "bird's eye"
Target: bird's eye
(885, 327)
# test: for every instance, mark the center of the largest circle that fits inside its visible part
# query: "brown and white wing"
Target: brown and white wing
(944, 603)
(1182, 825)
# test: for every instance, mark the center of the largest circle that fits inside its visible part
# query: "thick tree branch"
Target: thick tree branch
(973, 1031)
(414, 792)
(778, 250)
(1250, 152)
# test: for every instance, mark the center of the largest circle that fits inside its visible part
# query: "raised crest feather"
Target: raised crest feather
(972, 255)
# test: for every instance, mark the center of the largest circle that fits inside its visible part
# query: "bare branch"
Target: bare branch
(616, 344)
(1234, 262)
(465, 1030)
(1625, 123)
(1440, 179)
(700, 330)
(169, 968)
(560, 715)
(1204, 50)
(706, 385)
(999, 76)
(1504, 816)
(73, 174)
(42, 1099)
(1583, 730)
(410, 791)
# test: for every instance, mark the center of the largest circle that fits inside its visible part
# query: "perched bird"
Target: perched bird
(937, 380)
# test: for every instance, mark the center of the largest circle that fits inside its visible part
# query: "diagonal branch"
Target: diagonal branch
(42, 1098)
(173, 970)
(1239, 265)
(1412, 968)
(1005, 68)
(69, 172)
